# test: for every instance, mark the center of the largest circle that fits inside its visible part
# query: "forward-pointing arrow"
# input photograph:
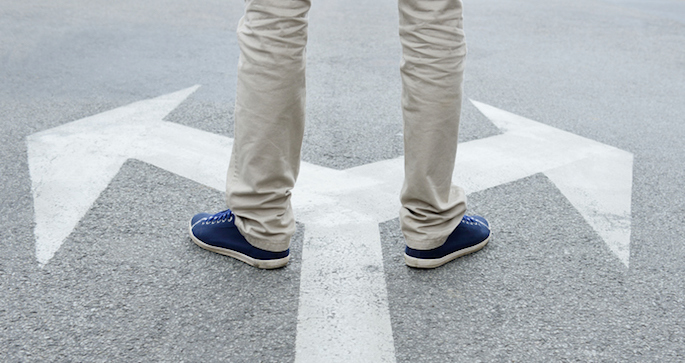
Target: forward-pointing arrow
(343, 312)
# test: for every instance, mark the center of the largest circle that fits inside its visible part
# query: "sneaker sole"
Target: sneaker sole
(263, 264)
(437, 262)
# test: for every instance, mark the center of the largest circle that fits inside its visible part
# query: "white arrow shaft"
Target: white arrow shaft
(191, 153)
(343, 314)
(373, 191)
(502, 159)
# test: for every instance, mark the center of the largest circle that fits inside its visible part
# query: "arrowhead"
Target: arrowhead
(600, 188)
(86, 153)
(596, 178)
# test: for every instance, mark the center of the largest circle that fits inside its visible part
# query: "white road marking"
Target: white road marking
(596, 178)
(70, 165)
(343, 313)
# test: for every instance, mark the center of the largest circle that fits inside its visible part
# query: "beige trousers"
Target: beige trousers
(270, 116)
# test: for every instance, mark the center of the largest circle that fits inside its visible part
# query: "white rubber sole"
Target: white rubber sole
(437, 262)
(264, 264)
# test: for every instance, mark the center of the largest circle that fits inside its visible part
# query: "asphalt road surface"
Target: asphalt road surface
(126, 284)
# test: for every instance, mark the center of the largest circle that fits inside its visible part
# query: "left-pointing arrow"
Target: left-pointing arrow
(70, 165)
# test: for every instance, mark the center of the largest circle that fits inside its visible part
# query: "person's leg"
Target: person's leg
(269, 120)
(432, 69)
(269, 126)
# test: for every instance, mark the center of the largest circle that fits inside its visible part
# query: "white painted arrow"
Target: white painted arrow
(596, 178)
(70, 165)
(343, 312)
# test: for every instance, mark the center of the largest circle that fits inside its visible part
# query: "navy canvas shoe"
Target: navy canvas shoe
(218, 233)
(472, 234)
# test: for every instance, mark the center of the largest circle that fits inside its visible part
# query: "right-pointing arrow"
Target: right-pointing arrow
(596, 178)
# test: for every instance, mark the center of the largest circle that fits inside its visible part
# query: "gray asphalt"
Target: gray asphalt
(129, 285)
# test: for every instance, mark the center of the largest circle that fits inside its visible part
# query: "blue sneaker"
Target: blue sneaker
(218, 233)
(472, 234)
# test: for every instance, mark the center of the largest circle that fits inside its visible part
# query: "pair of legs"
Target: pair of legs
(270, 118)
